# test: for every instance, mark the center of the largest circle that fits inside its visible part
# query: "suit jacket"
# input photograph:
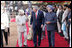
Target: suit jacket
(51, 17)
(39, 20)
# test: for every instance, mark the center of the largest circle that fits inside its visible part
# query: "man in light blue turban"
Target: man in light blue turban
(50, 21)
(50, 6)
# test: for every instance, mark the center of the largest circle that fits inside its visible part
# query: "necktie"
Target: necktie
(36, 18)
(36, 15)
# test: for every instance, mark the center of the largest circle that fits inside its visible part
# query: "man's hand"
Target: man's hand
(31, 26)
(1, 23)
(70, 20)
(42, 26)
(6, 29)
(48, 22)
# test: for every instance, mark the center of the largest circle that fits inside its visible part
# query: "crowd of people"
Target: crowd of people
(53, 18)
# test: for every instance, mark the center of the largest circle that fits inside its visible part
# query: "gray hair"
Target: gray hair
(36, 7)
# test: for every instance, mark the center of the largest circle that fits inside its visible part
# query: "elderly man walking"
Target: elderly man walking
(36, 22)
(50, 20)
(21, 27)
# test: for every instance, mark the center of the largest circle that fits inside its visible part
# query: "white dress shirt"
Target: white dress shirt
(4, 20)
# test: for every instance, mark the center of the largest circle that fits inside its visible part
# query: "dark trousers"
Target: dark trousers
(5, 35)
(43, 33)
(51, 38)
(37, 30)
(9, 31)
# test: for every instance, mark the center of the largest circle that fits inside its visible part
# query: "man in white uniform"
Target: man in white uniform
(4, 24)
(21, 27)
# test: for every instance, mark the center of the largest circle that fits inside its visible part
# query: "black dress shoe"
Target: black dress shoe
(50, 46)
(38, 44)
(61, 35)
(6, 43)
(8, 34)
(25, 45)
(66, 39)
(1, 46)
(35, 45)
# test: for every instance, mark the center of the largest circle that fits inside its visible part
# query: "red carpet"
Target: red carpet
(59, 41)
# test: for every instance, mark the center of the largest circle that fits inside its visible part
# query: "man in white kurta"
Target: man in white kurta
(21, 27)
(64, 23)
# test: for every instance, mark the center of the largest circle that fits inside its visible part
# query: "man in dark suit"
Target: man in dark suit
(36, 23)
(50, 20)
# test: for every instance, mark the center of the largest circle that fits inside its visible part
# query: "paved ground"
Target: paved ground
(12, 39)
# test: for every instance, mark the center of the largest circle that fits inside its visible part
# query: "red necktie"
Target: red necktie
(36, 15)
(36, 18)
